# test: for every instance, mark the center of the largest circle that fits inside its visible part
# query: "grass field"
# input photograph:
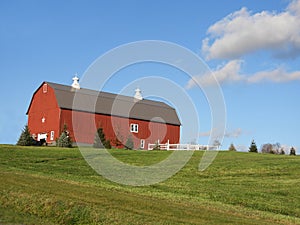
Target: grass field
(49, 185)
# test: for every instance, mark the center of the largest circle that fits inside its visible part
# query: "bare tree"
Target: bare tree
(267, 148)
(217, 143)
(272, 148)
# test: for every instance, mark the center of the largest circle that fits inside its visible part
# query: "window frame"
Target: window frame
(45, 88)
(52, 135)
(134, 128)
(142, 144)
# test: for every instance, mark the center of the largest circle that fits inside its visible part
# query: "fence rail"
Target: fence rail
(168, 146)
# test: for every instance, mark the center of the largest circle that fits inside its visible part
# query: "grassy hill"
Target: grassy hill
(49, 185)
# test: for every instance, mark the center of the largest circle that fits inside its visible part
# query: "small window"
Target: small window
(142, 144)
(134, 128)
(52, 135)
(45, 88)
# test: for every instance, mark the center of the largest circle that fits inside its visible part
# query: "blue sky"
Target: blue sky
(253, 48)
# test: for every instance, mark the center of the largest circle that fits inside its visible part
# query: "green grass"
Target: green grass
(49, 185)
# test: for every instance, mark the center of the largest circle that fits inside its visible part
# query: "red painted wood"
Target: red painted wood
(82, 125)
(44, 105)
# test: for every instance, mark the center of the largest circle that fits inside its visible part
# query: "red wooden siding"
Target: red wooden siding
(84, 125)
(44, 105)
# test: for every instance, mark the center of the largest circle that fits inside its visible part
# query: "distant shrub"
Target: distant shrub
(156, 146)
(25, 138)
(292, 151)
(232, 148)
(282, 152)
(64, 139)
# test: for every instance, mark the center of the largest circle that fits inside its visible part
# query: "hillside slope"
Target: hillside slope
(48, 185)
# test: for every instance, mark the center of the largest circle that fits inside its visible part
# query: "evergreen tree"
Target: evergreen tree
(232, 148)
(253, 147)
(129, 143)
(64, 139)
(118, 140)
(100, 140)
(97, 139)
(25, 138)
(292, 151)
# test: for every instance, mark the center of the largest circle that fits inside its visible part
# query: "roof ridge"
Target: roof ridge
(114, 96)
(142, 109)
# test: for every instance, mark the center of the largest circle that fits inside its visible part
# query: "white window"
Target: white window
(52, 135)
(45, 88)
(142, 144)
(134, 128)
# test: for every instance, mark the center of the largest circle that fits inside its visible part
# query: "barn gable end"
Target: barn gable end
(44, 113)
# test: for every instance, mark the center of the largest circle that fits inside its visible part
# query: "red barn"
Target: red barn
(83, 111)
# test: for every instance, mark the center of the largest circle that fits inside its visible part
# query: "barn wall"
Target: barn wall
(44, 105)
(116, 129)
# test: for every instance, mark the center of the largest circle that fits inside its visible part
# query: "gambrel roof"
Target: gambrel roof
(92, 101)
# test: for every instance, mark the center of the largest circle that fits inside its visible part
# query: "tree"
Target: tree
(292, 151)
(253, 147)
(232, 148)
(129, 143)
(118, 140)
(282, 152)
(267, 148)
(217, 143)
(25, 138)
(272, 149)
(64, 139)
(100, 140)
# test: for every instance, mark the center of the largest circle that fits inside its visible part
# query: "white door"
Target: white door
(42, 136)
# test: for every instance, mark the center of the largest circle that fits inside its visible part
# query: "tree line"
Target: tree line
(266, 148)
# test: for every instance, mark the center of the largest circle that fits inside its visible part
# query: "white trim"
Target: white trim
(134, 128)
(45, 88)
(142, 145)
(42, 136)
(52, 135)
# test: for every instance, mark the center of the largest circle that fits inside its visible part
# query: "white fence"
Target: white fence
(168, 146)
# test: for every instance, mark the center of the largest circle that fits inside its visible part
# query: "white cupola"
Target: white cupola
(138, 94)
(75, 82)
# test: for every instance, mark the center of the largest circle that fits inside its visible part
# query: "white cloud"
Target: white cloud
(229, 72)
(278, 75)
(205, 134)
(243, 32)
(232, 73)
(242, 148)
(233, 133)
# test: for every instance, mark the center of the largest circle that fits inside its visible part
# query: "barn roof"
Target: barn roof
(112, 104)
